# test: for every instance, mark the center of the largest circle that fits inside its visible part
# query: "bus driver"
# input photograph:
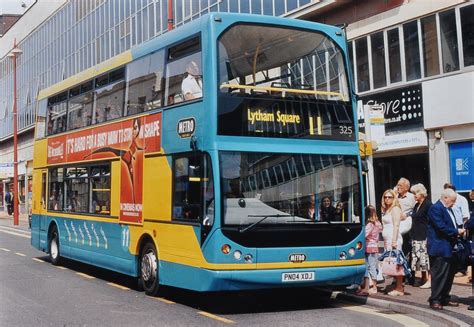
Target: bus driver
(191, 87)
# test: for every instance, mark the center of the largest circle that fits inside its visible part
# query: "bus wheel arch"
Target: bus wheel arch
(53, 244)
(148, 266)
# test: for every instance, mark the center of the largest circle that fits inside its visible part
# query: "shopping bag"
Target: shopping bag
(390, 267)
(405, 225)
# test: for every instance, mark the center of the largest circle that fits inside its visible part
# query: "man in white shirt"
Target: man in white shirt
(191, 87)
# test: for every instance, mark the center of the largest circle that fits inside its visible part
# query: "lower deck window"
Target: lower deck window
(81, 189)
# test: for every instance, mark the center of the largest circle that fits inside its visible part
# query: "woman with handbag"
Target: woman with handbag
(391, 218)
(420, 259)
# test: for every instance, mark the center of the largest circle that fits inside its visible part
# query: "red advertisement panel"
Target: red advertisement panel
(127, 140)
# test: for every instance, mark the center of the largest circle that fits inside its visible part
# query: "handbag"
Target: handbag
(462, 252)
(390, 267)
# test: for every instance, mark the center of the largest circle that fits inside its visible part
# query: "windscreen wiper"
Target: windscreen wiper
(251, 226)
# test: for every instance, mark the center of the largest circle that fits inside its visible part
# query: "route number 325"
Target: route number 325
(347, 130)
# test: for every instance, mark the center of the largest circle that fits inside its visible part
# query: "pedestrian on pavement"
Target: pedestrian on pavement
(420, 259)
(441, 236)
(9, 202)
(407, 203)
(461, 213)
(391, 218)
(373, 228)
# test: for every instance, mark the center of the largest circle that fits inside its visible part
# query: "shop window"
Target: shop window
(362, 56)
(449, 41)
(184, 72)
(430, 46)
(394, 61)
(378, 60)
(412, 50)
(193, 198)
(144, 80)
(467, 30)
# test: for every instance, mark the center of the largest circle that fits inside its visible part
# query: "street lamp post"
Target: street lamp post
(14, 53)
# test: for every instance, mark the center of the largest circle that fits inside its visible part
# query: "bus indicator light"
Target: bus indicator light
(225, 249)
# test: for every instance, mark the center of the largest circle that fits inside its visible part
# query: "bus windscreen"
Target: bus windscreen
(282, 82)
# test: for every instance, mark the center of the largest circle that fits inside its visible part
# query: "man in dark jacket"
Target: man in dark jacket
(442, 234)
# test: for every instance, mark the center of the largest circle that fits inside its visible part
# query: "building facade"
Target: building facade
(414, 58)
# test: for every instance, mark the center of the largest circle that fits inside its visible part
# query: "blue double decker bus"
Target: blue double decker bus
(222, 155)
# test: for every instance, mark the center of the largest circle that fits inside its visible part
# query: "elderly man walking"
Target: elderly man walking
(442, 233)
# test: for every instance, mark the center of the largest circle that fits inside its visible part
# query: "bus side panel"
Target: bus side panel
(102, 244)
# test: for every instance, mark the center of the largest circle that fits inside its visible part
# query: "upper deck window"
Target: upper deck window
(144, 78)
(184, 72)
(281, 62)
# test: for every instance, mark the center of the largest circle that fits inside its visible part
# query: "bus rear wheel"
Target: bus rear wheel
(149, 278)
(54, 255)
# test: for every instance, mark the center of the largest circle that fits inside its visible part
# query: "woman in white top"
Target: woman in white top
(391, 218)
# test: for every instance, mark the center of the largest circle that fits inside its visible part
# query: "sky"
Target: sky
(14, 6)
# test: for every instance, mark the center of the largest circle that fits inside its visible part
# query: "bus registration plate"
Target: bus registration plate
(297, 277)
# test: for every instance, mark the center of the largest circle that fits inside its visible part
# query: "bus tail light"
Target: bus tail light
(359, 245)
(351, 252)
(343, 255)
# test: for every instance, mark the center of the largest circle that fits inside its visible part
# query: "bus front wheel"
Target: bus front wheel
(54, 246)
(149, 279)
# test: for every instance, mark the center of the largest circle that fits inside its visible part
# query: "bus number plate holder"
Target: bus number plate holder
(297, 276)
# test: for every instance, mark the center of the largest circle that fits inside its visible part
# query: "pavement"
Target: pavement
(415, 300)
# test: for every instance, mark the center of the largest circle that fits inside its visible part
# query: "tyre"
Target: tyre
(54, 254)
(148, 268)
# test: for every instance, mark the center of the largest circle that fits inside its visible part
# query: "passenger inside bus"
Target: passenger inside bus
(191, 87)
(326, 210)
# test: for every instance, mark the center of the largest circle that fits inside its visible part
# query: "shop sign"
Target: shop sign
(403, 141)
(402, 108)
(461, 158)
